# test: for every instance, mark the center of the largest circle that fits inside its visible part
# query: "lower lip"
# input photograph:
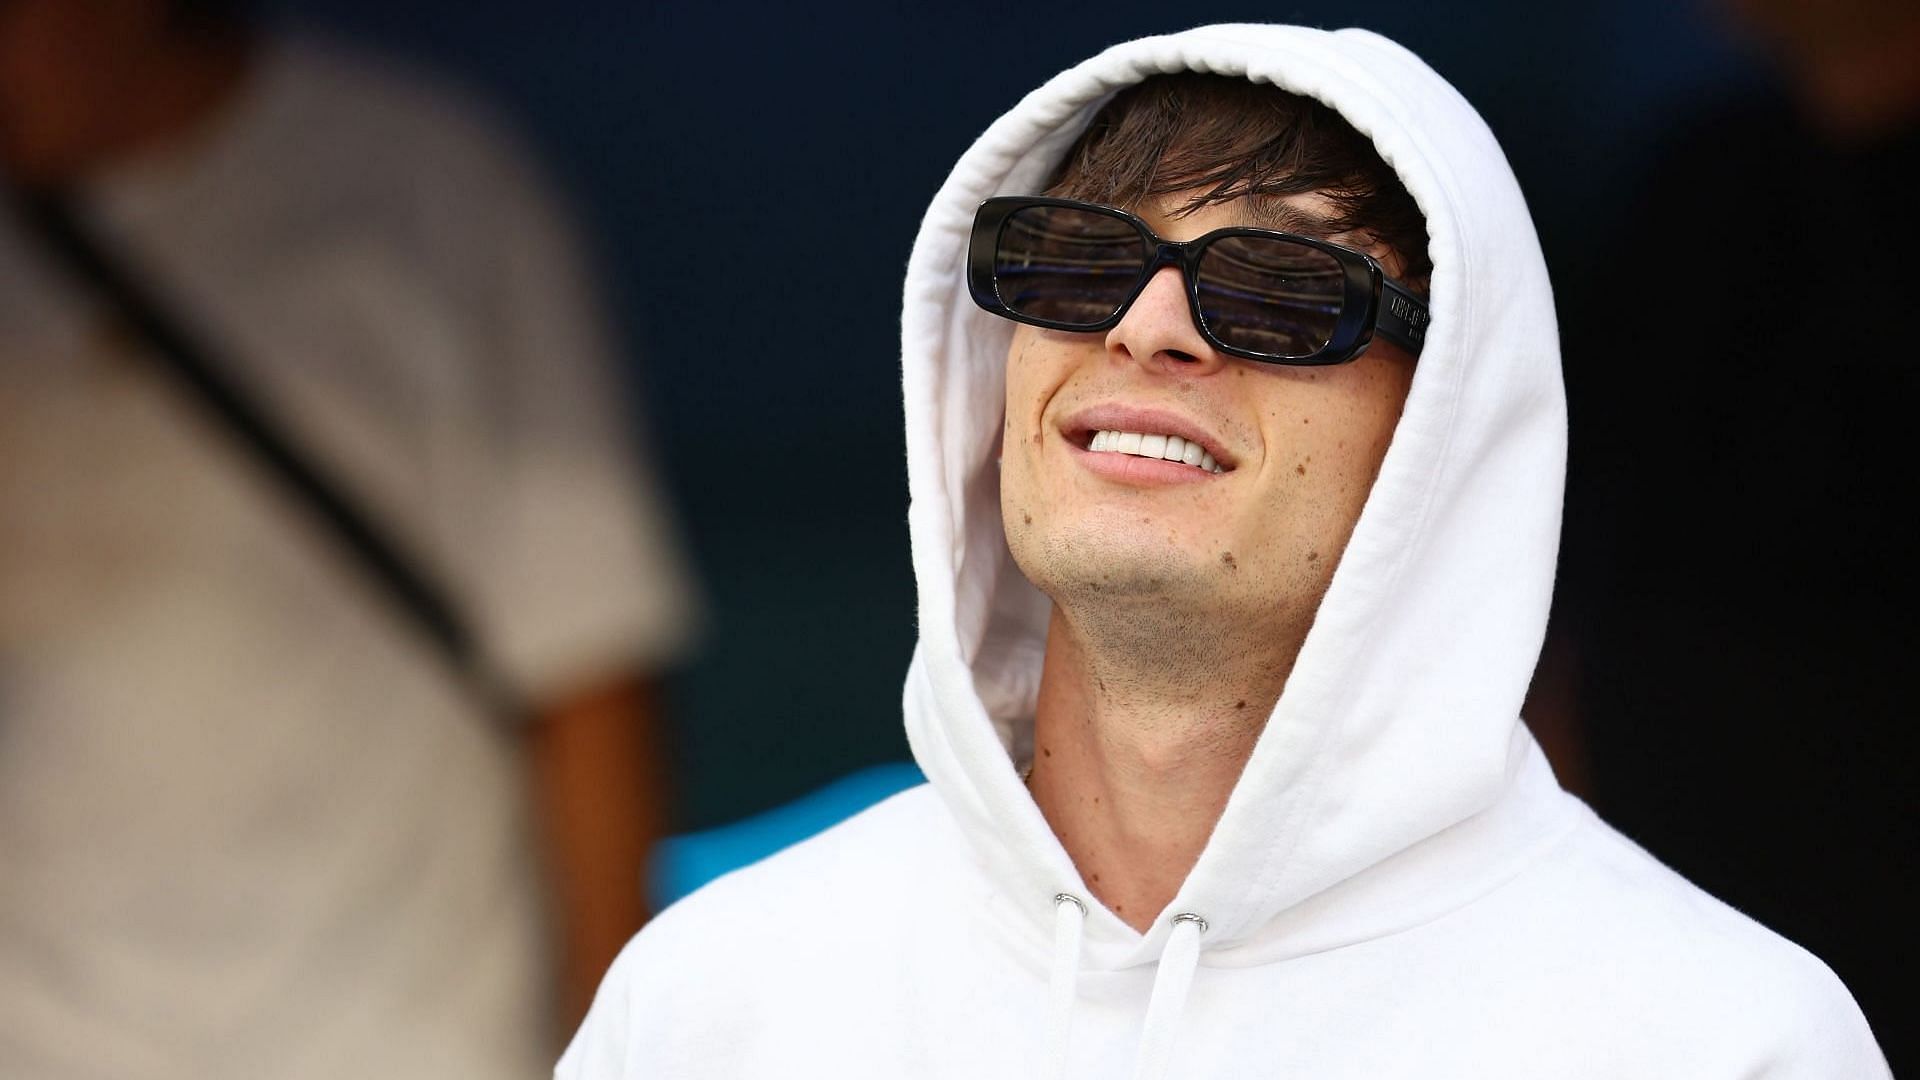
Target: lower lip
(1141, 471)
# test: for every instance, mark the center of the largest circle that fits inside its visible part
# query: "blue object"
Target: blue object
(683, 863)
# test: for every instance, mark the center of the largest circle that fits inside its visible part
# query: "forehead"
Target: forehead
(1182, 215)
(1308, 214)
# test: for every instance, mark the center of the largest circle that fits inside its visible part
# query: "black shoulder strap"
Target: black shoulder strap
(193, 366)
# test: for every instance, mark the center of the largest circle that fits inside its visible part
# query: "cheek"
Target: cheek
(1020, 435)
(1029, 379)
(1033, 377)
(1351, 463)
(1327, 452)
(1332, 444)
(1359, 421)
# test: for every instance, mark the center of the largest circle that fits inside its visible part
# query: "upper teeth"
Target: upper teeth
(1166, 447)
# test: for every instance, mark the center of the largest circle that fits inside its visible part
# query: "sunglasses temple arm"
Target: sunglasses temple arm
(1403, 317)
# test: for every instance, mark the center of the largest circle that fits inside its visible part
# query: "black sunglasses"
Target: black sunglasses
(1255, 293)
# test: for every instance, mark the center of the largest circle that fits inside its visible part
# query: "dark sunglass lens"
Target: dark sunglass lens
(1269, 295)
(1066, 265)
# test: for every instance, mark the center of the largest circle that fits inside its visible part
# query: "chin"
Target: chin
(1097, 563)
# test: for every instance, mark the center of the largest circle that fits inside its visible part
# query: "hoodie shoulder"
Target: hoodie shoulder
(782, 902)
(763, 937)
(1682, 971)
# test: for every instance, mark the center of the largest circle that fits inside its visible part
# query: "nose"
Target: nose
(1158, 329)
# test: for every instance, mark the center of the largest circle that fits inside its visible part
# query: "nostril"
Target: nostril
(1183, 357)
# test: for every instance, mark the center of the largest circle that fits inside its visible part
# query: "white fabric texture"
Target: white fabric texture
(248, 826)
(1397, 887)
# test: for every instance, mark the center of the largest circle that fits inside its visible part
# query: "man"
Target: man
(1234, 550)
(248, 823)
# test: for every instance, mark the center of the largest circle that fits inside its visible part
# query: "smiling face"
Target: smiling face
(1096, 519)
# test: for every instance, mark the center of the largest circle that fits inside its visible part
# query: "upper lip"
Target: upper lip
(1080, 427)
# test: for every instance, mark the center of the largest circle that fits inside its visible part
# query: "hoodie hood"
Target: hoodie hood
(1399, 726)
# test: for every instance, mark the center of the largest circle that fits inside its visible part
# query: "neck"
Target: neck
(1138, 742)
(165, 101)
(1859, 79)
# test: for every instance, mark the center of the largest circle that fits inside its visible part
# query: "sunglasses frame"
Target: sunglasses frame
(1371, 303)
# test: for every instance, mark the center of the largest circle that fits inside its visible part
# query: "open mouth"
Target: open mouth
(1150, 445)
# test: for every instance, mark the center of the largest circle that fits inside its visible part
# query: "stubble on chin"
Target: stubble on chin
(1155, 614)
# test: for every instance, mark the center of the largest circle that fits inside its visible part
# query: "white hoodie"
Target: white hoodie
(1397, 887)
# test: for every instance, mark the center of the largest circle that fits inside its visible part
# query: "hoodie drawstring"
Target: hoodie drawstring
(1063, 985)
(1169, 1000)
(1165, 1006)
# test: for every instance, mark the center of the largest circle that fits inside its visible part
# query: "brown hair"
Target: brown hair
(1228, 137)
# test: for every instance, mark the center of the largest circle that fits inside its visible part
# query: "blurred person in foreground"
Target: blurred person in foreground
(1233, 570)
(1739, 590)
(249, 823)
